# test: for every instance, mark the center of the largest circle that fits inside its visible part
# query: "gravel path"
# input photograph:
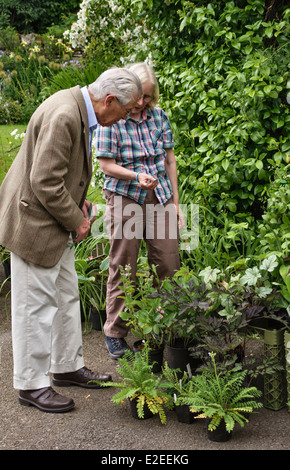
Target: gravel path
(97, 424)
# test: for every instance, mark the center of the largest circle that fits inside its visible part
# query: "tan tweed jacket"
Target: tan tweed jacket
(43, 192)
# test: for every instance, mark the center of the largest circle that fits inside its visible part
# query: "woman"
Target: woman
(137, 158)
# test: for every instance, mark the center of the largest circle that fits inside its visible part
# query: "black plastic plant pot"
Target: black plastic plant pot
(155, 355)
(98, 318)
(220, 434)
(133, 406)
(179, 357)
(184, 415)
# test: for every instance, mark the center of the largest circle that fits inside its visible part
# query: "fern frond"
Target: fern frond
(122, 395)
(140, 403)
(156, 407)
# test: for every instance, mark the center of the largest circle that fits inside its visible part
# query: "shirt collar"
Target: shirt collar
(146, 114)
(91, 113)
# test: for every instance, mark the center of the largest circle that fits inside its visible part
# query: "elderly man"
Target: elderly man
(43, 210)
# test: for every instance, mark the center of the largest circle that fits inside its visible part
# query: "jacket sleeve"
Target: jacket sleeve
(51, 164)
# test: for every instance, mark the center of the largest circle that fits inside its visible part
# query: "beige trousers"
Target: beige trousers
(128, 223)
(46, 323)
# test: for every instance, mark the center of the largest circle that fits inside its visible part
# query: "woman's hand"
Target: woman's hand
(147, 181)
(110, 168)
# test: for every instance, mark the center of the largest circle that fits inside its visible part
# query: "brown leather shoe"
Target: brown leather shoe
(46, 399)
(81, 377)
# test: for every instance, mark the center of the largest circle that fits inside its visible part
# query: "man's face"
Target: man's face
(110, 111)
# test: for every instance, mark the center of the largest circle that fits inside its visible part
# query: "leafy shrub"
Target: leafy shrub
(223, 69)
(274, 234)
(230, 114)
(34, 15)
(9, 39)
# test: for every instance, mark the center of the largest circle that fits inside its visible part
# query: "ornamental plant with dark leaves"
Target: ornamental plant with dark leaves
(254, 293)
(182, 299)
(234, 306)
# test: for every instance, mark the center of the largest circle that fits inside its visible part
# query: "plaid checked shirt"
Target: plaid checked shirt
(138, 146)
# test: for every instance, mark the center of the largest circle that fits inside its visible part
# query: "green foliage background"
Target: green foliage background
(223, 70)
(34, 16)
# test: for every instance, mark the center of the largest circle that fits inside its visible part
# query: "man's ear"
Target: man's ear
(109, 100)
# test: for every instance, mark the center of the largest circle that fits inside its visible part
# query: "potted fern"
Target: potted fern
(179, 386)
(145, 390)
(222, 398)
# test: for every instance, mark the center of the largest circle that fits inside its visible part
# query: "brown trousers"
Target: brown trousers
(128, 223)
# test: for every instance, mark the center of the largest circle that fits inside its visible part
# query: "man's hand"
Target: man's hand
(89, 211)
(82, 231)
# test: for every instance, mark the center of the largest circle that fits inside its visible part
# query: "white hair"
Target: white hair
(120, 82)
(146, 74)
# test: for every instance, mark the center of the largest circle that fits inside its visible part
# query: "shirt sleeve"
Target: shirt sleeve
(106, 142)
(168, 139)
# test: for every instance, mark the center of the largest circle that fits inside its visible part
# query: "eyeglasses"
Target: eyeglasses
(146, 98)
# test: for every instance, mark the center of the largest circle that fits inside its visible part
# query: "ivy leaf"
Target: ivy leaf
(269, 264)
(209, 274)
(251, 276)
(263, 292)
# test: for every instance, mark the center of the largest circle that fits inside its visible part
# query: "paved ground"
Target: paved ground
(96, 424)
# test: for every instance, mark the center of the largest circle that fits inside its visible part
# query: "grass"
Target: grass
(8, 146)
(6, 140)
